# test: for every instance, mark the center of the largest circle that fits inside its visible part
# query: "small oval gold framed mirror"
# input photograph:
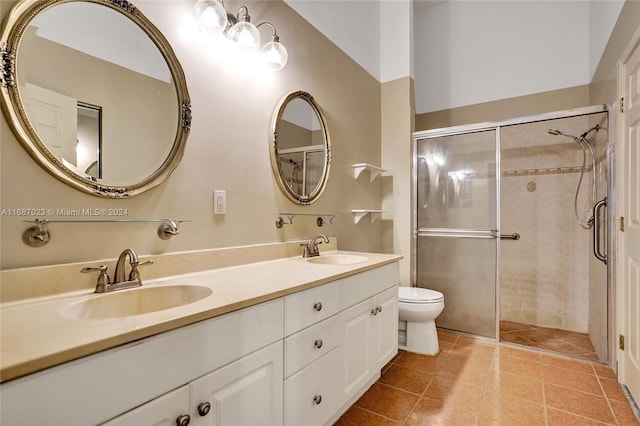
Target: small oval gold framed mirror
(300, 148)
(94, 93)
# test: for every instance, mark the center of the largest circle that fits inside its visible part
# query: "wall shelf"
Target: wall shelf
(358, 214)
(374, 171)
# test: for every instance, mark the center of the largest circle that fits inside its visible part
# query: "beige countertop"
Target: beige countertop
(35, 335)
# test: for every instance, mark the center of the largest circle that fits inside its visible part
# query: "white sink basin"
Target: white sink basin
(338, 259)
(141, 300)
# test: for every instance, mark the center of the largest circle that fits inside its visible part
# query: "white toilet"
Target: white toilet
(419, 307)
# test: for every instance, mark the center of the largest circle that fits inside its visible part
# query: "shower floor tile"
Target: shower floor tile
(481, 382)
(553, 339)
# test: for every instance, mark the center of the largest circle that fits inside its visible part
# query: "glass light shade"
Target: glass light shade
(210, 16)
(275, 54)
(246, 35)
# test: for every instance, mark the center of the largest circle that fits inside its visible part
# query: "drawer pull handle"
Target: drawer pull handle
(204, 408)
(317, 399)
(318, 306)
(183, 420)
(318, 343)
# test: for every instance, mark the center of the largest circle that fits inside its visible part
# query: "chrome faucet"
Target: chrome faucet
(104, 284)
(311, 249)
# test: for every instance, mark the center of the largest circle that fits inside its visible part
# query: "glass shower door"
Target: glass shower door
(456, 227)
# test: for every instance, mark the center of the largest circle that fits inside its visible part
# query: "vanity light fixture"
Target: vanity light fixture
(212, 18)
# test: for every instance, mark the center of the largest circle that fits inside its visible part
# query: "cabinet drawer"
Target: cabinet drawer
(311, 395)
(306, 346)
(356, 288)
(310, 306)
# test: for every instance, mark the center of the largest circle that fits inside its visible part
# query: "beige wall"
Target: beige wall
(398, 112)
(539, 103)
(228, 149)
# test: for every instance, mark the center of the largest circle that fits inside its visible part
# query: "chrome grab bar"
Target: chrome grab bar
(514, 236)
(596, 230)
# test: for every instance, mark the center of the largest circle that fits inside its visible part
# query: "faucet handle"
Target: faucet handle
(134, 274)
(305, 249)
(103, 277)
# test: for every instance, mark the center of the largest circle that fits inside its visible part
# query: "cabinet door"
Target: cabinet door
(311, 395)
(356, 359)
(385, 326)
(246, 392)
(162, 411)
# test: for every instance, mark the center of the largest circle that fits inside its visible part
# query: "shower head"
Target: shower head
(581, 139)
(557, 132)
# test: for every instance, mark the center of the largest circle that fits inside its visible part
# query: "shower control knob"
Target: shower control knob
(318, 306)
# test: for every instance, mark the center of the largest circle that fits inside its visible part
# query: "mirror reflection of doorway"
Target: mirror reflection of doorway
(89, 145)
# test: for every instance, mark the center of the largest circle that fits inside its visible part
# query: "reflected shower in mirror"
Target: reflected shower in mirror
(300, 148)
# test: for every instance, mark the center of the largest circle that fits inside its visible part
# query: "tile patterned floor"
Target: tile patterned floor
(553, 339)
(479, 382)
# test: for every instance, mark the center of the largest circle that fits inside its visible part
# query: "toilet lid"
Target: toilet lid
(419, 295)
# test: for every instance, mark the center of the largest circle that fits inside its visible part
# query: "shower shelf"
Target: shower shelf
(287, 218)
(374, 171)
(360, 213)
(38, 235)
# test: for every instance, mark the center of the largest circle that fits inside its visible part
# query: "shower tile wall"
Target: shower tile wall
(544, 276)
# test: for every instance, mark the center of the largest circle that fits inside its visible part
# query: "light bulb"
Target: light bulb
(275, 54)
(245, 34)
(210, 16)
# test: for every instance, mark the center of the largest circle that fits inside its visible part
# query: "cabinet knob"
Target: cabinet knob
(318, 306)
(317, 399)
(183, 420)
(379, 308)
(318, 343)
(204, 408)
(374, 311)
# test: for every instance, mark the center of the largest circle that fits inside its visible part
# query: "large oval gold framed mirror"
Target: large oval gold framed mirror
(94, 93)
(300, 148)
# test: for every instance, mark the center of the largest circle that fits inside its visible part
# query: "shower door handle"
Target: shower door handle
(596, 230)
(514, 236)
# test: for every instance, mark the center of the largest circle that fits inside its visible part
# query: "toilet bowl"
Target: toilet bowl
(419, 307)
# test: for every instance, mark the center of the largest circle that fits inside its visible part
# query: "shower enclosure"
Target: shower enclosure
(505, 227)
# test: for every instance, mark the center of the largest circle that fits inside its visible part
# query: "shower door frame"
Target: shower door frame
(496, 126)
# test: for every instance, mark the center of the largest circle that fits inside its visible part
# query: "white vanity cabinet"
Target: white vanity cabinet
(246, 392)
(298, 360)
(100, 387)
(368, 329)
